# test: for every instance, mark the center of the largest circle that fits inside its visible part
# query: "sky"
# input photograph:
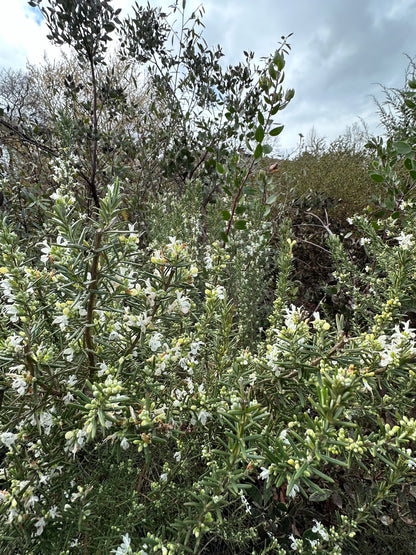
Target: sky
(341, 51)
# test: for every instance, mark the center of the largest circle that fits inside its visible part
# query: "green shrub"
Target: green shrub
(337, 173)
(130, 407)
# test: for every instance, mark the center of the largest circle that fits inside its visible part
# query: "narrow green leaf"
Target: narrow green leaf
(260, 118)
(93, 432)
(332, 460)
(322, 495)
(276, 131)
(272, 72)
(258, 152)
(376, 177)
(240, 224)
(225, 215)
(248, 145)
(220, 168)
(385, 460)
(82, 395)
(259, 134)
(323, 476)
(271, 199)
(101, 417)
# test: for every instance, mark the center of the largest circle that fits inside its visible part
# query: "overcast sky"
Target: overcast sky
(341, 50)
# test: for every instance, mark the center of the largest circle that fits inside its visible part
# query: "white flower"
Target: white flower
(143, 320)
(407, 330)
(183, 363)
(61, 241)
(124, 444)
(220, 292)
(389, 354)
(184, 302)
(102, 369)
(264, 474)
(12, 311)
(293, 545)
(195, 346)
(45, 420)
(405, 241)
(203, 416)
(76, 440)
(245, 502)
(40, 525)
(318, 528)
(31, 502)
(293, 317)
(13, 513)
(56, 195)
(72, 380)
(62, 320)
(124, 548)
(208, 262)
(68, 398)
(8, 438)
(19, 384)
(54, 511)
(164, 477)
(177, 456)
(154, 341)
(81, 310)
(69, 354)
(15, 342)
(46, 250)
(293, 491)
(44, 478)
(114, 335)
(283, 437)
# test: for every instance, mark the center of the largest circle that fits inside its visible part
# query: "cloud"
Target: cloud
(23, 35)
(340, 50)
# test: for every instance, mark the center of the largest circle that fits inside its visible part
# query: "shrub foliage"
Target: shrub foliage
(162, 388)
